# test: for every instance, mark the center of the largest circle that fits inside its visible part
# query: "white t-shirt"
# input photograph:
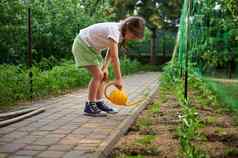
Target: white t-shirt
(98, 35)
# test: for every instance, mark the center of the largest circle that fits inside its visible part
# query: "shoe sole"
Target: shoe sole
(95, 115)
(111, 112)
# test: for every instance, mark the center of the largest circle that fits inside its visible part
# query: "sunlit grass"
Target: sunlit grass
(227, 93)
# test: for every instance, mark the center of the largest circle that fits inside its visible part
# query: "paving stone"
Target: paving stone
(27, 129)
(98, 136)
(64, 131)
(87, 147)
(27, 153)
(10, 148)
(6, 139)
(2, 143)
(54, 135)
(90, 125)
(17, 156)
(20, 124)
(27, 140)
(36, 147)
(40, 133)
(72, 139)
(36, 124)
(83, 131)
(80, 120)
(2, 155)
(76, 154)
(49, 128)
(46, 141)
(51, 154)
(70, 126)
(61, 147)
(16, 134)
(6, 130)
(89, 140)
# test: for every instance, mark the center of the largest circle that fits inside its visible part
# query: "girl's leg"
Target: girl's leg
(95, 82)
(100, 103)
(96, 88)
(100, 90)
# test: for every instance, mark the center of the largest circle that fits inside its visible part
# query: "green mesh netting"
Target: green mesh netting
(210, 30)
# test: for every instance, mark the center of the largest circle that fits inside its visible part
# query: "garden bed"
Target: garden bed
(155, 132)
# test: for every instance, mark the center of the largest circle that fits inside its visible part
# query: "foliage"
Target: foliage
(15, 81)
(13, 31)
(158, 14)
(54, 26)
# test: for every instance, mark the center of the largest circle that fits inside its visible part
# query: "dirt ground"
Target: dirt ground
(219, 133)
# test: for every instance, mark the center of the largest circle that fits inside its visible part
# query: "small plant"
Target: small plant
(155, 108)
(231, 152)
(210, 120)
(144, 145)
(129, 156)
(146, 140)
(144, 122)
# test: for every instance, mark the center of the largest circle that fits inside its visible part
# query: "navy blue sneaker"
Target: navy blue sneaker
(104, 107)
(91, 109)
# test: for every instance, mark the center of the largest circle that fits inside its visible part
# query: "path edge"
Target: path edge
(105, 149)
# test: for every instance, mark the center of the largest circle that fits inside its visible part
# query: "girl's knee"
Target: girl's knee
(98, 76)
(96, 73)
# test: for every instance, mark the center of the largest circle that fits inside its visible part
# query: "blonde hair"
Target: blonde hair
(134, 25)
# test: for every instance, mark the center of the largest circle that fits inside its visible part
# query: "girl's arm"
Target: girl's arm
(106, 60)
(116, 63)
(105, 65)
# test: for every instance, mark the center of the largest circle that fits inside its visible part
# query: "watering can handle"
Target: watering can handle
(106, 87)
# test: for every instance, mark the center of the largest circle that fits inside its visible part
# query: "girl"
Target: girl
(86, 50)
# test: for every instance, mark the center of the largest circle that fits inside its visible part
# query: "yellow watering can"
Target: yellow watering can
(118, 96)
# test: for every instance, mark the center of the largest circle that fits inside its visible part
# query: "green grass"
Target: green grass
(220, 74)
(227, 93)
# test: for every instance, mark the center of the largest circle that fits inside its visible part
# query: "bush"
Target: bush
(15, 81)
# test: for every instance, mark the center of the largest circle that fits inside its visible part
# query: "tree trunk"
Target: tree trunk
(229, 70)
(153, 47)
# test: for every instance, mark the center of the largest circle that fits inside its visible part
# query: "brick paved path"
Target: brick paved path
(62, 131)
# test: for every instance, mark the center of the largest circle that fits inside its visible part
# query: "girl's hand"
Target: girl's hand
(119, 83)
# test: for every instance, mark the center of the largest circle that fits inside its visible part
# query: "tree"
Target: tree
(12, 29)
(54, 26)
(159, 14)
